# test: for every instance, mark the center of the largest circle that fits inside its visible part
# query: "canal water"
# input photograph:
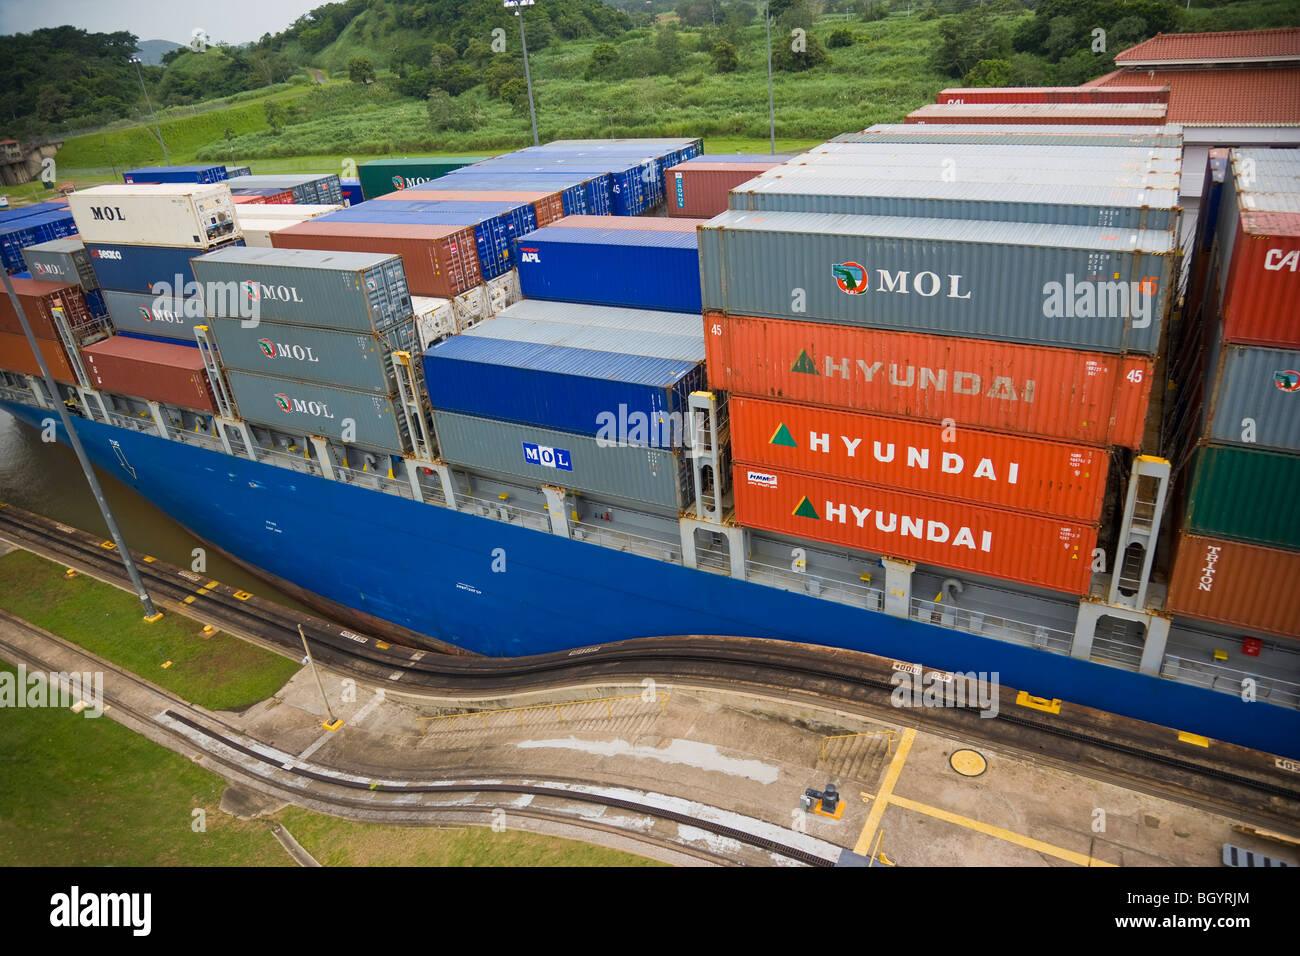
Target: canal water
(44, 477)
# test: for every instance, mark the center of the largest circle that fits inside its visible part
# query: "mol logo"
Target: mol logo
(289, 405)
(1287, 381)
(146, 314)
(42, 269)
(281, 399)
(255, 291)
(268, 349)
(547, 457)
(850, 277)
(107, 213)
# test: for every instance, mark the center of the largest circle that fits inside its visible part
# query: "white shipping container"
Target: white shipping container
(257, 232)
(504, 287)
(471, 307)
(284, 210)
(194, 215)
(435, 319)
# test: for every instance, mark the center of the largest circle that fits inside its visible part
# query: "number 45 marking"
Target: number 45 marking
(1135, 375)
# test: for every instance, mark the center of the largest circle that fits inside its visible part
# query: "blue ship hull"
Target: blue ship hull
(431, 570)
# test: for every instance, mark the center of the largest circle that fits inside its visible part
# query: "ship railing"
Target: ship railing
(831, 587)
(374, 480)
(297, 461)
(1229, 680)
(145, 424)
(504, 509)
(659, 548)
(1042, 636)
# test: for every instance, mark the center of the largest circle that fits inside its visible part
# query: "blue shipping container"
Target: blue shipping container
(17, 235)
(158, 338)
(176, 174)
(574, 390)
(638, 270)
(351, 191)
(583, 195)
(95, 302)
(631, 185)
(22, 212)
(139, 268)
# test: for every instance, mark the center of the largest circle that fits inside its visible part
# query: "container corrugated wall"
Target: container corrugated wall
(1263, 287)
(1102, 207)
(599, 338)
(39, 299)
(313, 409)
(655, 477)
(177, 214)
(1044, 552)
(1055, 94)
(172, 374)
(569, 389)
(16, 356)
(1002, 471)
(1246, 494)
(63, 260)
(362, 291)
(640, 270)
(141, 268)
(698, 189)
(327, 356)
(382, 176)
(155, 315)
(1154, 137)
(929, 167)
(1091, 397)
(547, 206)
(1016, 282)
(1058, 114)
(1241, 585)
(1257, 400)
(577, 313)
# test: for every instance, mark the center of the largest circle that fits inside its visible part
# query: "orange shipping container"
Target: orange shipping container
(1004, 471)
(1000, 544)
(1091, 397)
(16, 356)
(1243, 585)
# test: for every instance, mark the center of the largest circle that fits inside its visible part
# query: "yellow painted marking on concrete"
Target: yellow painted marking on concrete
(242, 595)
(156, 616)
(1196, 739)
(210, 585)
(108, 545)
(189, 600)
(149, 559)
(968, 763)
(333, 726)
(988, 829)
(1052, 706)
(863, 846)
(1220, 655)
(381, 645)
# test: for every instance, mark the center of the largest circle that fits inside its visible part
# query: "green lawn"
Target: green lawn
(220, 672)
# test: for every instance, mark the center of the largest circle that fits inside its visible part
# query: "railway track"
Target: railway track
(1226, 778)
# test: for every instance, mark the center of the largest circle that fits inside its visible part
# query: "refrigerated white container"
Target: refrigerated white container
(503, 291)
(435, 319)
(257, 232)
(284, 210)
(472, 306)
(193, 215)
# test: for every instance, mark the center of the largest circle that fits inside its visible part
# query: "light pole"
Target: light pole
(166, 159)
(150, 613)
(517, 6)
(771, 109)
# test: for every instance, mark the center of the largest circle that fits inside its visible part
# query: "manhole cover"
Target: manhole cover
(968, 763)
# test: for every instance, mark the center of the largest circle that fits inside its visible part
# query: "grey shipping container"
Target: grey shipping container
(358, 291)
(595, 338)
(162, 316)
(937, 167)
(1067, 286)
(576, 313)
(1257, 397)
(359, 360)
(1014, 154)
(63, 259)
(1002, 202)
(300, 408)
(656, 477)
(1031, 135)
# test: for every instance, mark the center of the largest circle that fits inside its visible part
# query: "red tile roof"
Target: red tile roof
(1237, 46)
(1241, 96)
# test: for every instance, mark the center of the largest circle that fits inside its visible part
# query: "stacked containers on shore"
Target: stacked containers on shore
(259, 221)
(590, 399)
(934, 374)
(380, 177)
(301, 188)
(318, 360)
(140, 239)
(1238, 550)
(176, 174)
(697, 188)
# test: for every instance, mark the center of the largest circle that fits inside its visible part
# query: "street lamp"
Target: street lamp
(166, 159)
(516, 5)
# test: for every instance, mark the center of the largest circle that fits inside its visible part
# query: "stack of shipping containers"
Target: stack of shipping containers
(176, 174)
(697, 188)
(955, 377)
(301, 188)
(379, 177)
(258, 221)
(66, 260)
(1237, 556)
(43, 302)
(29, 225)
(140, 239)
(319, 358)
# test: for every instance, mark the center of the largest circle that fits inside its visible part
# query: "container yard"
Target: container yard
(1036, 417)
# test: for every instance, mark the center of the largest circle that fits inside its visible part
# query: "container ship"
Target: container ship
(1027, 421)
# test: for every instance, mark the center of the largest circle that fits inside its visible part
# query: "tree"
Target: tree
(989, 73)
(500, 72)
(604, 62)
(275, 116)
(515, 92)
(668, 51)
(786, 57)
(965, 40)
(737, 15)
(443, 56)
(446, 114)
(361, 70)
(840, 37)
(724, 57)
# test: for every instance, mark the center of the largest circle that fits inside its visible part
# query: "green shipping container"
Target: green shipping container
(380, 176)
(1246, 494)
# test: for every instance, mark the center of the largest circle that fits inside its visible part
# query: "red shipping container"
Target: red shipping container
(547, 206)
(237, 199)
(1261, 303)
(1044, 552)
(1090, 397)
(1070, 114)
(39, 299)
(1242, 585)
(698, 190)
(1055, 94)
(16, 356)
(642, 223)
(1003, 471)
(440, 261)
(151, 370)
